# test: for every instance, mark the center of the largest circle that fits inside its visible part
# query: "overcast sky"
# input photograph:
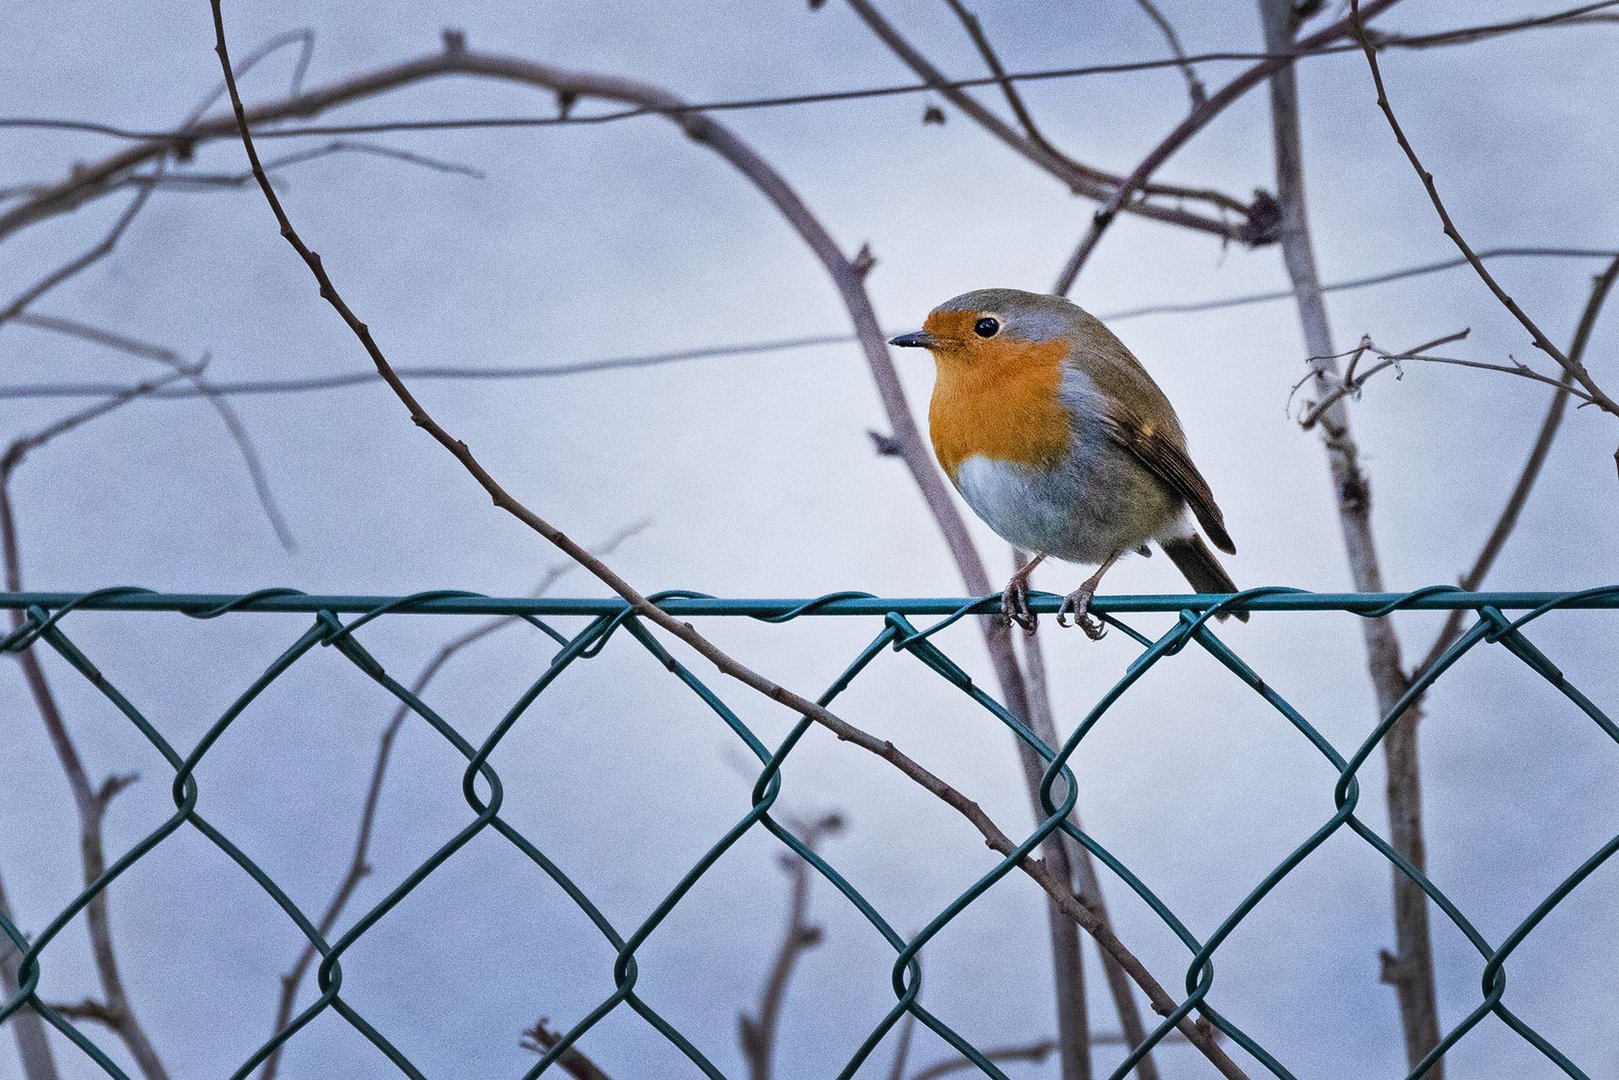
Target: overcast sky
(758, 479)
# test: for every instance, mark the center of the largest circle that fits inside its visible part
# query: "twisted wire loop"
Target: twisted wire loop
(43, 615)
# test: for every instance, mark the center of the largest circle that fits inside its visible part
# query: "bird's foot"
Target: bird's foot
(1078, 604)
(1015, 605)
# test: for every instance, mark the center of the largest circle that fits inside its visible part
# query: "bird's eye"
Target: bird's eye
(987, 327)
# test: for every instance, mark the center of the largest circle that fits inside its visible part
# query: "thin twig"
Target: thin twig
(1381, 278)
(303, 37)
(540, 1038)
(199, 386)
(1572, 17)
(1194, 86)
(360, 861)
(1532, 466)
(201, 181)
(1127, 190)
(368, 376)
(1575, 368)
(1080, 178)
(104, 247)
(1009, 90)
(1033, 1052)
(1522, 371)
(757, 1032)
(23, 445)
(640, 606)
(81, 262)
(1348, 384)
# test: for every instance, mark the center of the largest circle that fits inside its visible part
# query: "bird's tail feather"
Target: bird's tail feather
(1201, 568)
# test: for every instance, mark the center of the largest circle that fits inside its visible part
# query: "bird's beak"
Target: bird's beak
(919, 340)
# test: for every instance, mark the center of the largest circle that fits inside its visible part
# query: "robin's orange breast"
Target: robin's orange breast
(1001, 400)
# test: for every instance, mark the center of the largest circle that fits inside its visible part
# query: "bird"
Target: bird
(1056, 436)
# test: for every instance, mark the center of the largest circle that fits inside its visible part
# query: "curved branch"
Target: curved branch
(1532, 466)
(1080, 178)
(1574, 367)
(200, 386)
(1125, 193)
(1411, 970)
(1194, 85)
(756, 1032)
(710, 132)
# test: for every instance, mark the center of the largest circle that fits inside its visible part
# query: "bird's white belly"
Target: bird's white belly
(1057, 511)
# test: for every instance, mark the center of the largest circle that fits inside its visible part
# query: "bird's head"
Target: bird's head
(991, 329)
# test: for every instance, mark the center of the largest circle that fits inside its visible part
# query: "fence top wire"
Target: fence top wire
(47, 613)
(446, 602)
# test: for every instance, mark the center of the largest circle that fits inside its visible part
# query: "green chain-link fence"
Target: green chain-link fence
(47, 616)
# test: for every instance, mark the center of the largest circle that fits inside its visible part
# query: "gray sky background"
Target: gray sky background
(759, 479)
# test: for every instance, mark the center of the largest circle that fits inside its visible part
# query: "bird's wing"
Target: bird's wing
(1164, 456)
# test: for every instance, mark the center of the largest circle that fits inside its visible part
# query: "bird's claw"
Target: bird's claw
(1015, 606)
(1078, 604)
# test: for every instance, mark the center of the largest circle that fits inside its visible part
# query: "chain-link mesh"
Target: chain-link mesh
(46, 617)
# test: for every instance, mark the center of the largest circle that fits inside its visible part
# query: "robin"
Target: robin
(1058, 438)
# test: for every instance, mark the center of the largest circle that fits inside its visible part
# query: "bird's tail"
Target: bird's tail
(1201, 568)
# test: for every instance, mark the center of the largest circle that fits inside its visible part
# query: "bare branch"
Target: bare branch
(201, 181)
(1532, 466)
(96, 1012)
(303, 37)
(186, 139)
(1349, 385)
(33, 1047)
(1194, 85)
(539, 1039)
(1080, 178)
(109, 241)
(1060, 891)
(79, 263)
(1068, 959)
(1572, 17)
(1380, 278)
(1086, 883)
(199, 385)
(975, 30)
(23, 445)
(360, 861)
(90, 800)
(1575, 368)
(1419, 1011)
(757, 1032)
(1125, 193)
(367, 376)
(1034, 1052)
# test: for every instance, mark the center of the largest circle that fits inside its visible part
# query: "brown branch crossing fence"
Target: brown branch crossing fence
(339, 622)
